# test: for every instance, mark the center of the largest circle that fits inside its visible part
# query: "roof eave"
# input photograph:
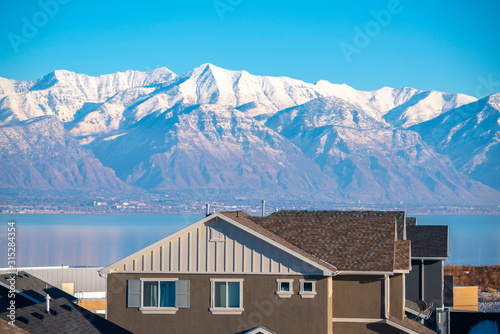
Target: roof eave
(367, 272)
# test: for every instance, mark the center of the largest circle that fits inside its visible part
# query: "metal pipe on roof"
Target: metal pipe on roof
(47, 303)
(263, 207)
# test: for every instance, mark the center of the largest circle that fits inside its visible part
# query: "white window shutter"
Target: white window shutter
(133, 293)
(182, 294)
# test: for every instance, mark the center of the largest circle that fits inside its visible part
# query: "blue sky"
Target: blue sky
(451, 46)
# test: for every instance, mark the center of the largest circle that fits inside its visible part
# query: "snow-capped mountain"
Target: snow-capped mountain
(425, 106)
(63, 93)
(470, 136)
(232, 131)
(209, 147)
(40, 154)
(368, 159)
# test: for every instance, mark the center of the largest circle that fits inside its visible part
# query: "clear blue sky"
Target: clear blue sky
(451, 46)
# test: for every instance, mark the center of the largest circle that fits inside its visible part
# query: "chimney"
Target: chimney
(208, 210)
(263, 207)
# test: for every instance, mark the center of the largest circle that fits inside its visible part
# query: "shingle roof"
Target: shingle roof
(247, 221)
(428, 241)
(34, 287)
(400, 216)
(411, 221)
(411, 325)
(403, 255)
(5, 300)
(5, 328)
(77, 321)
(350, 244)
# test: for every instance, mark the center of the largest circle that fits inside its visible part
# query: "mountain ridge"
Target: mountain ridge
(213, 128)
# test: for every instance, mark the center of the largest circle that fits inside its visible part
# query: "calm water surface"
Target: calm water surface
(91, 239)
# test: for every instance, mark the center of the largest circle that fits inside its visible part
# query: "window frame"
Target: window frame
(284, 294)
(307, 294)
(226, 310)
(156, 309)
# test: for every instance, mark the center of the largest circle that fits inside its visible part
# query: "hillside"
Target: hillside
(483, 276)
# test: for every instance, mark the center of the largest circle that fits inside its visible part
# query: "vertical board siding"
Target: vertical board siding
(238, 252)
(174, 267)
(85, 279)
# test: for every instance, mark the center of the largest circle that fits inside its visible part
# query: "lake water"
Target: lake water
(99, 240)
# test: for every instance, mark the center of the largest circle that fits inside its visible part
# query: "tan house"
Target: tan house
(234, 273)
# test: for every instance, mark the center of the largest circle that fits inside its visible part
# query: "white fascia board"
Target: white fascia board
(2, 270)
(412, 311)
(258, 330)
(326, 271)
(106, 270)
(401, 271)
(378, 273)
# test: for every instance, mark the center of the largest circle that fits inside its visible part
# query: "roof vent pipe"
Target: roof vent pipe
(47, 303)
(263, 207)
(208, 209)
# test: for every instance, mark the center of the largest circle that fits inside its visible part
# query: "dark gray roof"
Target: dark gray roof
(79, 320)
(34, 287)
(428, 241)
(448, 291)
(398, 215)
(5, 300)
(411, 221)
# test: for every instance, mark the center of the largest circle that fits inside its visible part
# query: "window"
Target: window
(217, 233)
(284, 288)
(307, 288)
(158, 294)
(153, 296)
(227, 296)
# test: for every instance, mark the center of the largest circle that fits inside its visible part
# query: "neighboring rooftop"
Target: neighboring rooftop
(32, 287)
(428, 241)
(5, 328)
(65, 318)
(350, 244)
(400, 216)
(411, 221)
(409, 324)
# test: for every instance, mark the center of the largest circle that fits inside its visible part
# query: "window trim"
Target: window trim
(156, 309)
(225, 310)
(284, 294)
(307, 294)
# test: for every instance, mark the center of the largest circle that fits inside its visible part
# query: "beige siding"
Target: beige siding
(237, 252)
